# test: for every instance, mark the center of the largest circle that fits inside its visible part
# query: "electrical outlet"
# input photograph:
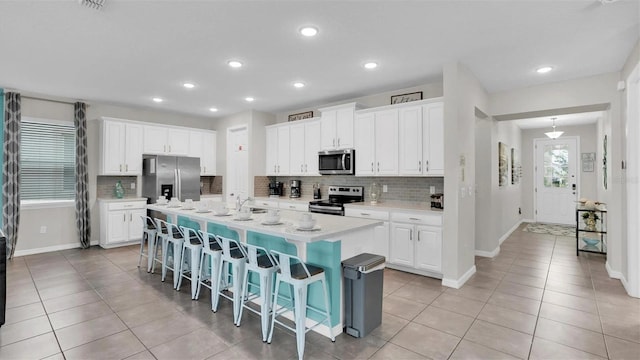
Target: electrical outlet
(43, 229)
(432, 190)
(384, 188)
(133, 186)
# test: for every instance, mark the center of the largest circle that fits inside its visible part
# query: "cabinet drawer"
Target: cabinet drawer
(367, 214)
(417, 218)
(127, 205)
(294, 206)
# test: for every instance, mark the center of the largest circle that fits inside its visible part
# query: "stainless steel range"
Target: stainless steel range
(338, 195)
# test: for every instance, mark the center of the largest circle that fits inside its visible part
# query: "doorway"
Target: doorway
(556, 179)
(237, 182)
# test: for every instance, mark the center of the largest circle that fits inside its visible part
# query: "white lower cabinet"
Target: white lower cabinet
(416, 242)
(121, 222)
(379, 245)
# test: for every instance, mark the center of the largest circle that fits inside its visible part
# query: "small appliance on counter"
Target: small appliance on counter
(275, 189)
(316, 191)
(296, 188)
(437, 201)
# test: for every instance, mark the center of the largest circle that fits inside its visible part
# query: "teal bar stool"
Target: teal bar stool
(260, 262)
(172, 252)
(210, 259)
(299, 276)
(232, 257)
(190, 259)
(162, 236)
(149, 237)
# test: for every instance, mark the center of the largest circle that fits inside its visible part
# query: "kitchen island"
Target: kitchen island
(333, 239)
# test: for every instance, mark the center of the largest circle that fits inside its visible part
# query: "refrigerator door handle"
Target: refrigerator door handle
(175, 183)
(179, 185)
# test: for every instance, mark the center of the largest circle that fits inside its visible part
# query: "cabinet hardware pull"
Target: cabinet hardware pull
(126, 167)
(378, 166)
(278, 169)
(419, 166)
(165, 148)
(338, 142)
(124, 217)
(130, 217)
(291, 207)
(412, 218)
(418, 235)
(334, 142)
(365, 214)
(120, 167)
(427, 168)
(274, 168)
(410, 234)
(169, 148)
(301, 168)
(372, 166)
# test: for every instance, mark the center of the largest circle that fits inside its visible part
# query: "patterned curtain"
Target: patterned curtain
(11, 171)
(83, 221)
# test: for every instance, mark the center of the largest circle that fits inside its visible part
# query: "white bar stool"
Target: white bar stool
(299, 275)
(210, 259)
(234, 257)
(192, 248)
(162, 236)
(149, 237)
(172, 252)
(260, 262)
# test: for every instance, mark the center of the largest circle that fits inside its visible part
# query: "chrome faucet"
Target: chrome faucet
(240, 203)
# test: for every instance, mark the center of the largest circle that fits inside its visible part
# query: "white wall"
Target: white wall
(588, 180)
(598, 89)
(60, 222)
(463, 94)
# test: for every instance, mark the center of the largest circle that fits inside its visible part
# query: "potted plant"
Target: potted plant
(590, 219)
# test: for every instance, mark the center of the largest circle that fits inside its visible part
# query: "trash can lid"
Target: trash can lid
(363, 262)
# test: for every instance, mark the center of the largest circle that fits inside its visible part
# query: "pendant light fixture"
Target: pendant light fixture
(554, 134)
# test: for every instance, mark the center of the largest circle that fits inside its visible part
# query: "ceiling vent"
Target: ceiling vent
(93, 4)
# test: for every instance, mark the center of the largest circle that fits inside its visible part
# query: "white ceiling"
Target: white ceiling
(561, 120)
(131, 51)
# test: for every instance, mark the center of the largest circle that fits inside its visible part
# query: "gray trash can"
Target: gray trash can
(363, 279)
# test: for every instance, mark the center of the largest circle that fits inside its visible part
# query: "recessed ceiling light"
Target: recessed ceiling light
(234, 63)
(370, 65)
(189, 85)
(309, 31)
(157, 99)
(213, 109)
(249, 99)
(298, 84)
(544, 69)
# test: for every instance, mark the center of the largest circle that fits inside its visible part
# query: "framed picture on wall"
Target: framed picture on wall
(503, 164)
(588, 162)
(300, 116)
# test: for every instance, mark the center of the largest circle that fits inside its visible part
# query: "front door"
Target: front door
(237, 163)
(556, 184)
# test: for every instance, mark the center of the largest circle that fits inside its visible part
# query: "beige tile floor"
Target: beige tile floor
(535, 300)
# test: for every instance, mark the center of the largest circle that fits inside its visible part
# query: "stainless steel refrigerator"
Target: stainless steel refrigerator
(171, 176)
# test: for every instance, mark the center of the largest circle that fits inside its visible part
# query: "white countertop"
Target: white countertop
(123, 199)
(331, 227)
(303, 199)
(395, 206)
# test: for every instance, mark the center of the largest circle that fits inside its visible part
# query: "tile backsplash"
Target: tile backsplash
(398, 188)
(211, 185)
(106, 184)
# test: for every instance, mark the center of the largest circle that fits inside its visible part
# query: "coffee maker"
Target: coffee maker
(275, 189)
(295, 188)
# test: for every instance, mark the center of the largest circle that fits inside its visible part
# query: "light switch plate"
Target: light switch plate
(384, 188)
(133, 186)
(432, 190)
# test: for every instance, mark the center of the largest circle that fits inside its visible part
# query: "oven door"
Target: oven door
(323, 209)
(336, 162)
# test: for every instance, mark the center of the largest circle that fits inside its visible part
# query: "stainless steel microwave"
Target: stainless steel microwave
(337, 162)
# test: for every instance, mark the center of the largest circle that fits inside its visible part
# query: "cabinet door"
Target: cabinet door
(133, 152)
(297, 149)
(113, 147)
(386, 142)
(117, 227)
(177, 142)
(364, 144)
(434, 136)
(429, 248)
(135, 223)
(344, 128)
(196, 139)
(283, 150)
(380, 245)
(208, 159)
(410, 141)
(401, 249)
(271, 161)
(311, 148)
(328, 129)
(155, 140)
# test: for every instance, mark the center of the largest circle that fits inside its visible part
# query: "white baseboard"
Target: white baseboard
(612, 273)
(488, 254)
(527, 221)
(510, 231)
(46, 249)
(457, 284)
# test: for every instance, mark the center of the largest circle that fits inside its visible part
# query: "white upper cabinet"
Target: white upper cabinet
(304, 147)
(410, 146)
(433, 139)
(202, 144)
(277, 154)
(336, 127)
(166, 140)
(376, 143)
(120, 148)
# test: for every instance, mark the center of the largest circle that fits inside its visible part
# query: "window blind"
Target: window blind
(47, 161)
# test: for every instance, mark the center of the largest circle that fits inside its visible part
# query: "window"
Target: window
(47, 160)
